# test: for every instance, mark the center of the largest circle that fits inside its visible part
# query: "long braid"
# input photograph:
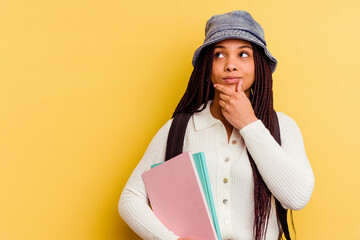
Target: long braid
(263, 108)
(262, 105)
(199, 90)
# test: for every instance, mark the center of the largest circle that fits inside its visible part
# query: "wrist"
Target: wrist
(248, 121)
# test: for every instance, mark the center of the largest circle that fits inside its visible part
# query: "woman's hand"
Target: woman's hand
(235, 106)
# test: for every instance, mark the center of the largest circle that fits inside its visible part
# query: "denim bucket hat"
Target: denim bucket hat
(238, 25)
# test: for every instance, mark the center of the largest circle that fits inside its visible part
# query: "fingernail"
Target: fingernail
(214, 85)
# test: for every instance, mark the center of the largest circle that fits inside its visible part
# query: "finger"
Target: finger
(224, 89)
(239, 86)
(222, 103)
(224, 97)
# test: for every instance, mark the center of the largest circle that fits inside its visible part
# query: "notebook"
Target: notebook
(180, 196)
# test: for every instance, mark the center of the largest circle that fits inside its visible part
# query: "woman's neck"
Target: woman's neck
(216, 112)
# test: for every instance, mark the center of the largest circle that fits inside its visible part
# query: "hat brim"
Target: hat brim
(235, 34)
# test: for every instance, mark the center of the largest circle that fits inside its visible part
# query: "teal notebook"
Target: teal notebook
(200, 163)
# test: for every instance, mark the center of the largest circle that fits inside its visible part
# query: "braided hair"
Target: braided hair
(200, 90)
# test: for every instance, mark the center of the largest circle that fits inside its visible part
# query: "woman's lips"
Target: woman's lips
(231, 80)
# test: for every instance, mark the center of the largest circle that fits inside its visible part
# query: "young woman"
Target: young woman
(230, 97)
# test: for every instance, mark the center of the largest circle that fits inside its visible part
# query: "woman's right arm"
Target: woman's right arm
(134, 205)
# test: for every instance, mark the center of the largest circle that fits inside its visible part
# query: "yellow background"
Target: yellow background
(84, 86)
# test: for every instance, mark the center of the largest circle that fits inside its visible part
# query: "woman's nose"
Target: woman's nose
(231, 65)
(231, 68)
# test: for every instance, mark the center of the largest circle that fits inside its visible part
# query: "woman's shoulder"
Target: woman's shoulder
(164, 129)
(167, 125)
(287, 124)
(284, 118)
(160, 138)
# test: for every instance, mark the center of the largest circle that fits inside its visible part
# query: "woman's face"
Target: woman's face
(233, 61)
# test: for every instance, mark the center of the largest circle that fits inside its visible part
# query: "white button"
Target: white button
(227, 221)
(225, 201)
(227, 159)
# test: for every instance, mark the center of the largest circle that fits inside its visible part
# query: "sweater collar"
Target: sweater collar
(204, 119)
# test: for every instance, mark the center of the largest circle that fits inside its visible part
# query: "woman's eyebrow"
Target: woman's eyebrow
(241, 47)
(246, 47)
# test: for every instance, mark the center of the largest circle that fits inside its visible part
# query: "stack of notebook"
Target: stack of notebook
(180, 196)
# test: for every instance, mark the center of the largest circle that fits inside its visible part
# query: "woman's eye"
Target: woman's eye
(244, 54)
(219, 55)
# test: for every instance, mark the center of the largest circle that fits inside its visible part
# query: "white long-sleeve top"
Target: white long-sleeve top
(285, 170)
